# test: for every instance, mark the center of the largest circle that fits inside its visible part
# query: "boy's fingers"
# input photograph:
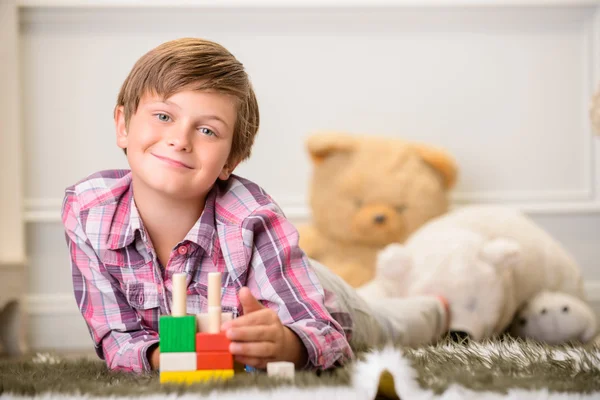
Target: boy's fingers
(254, 313)
(261, 317)
(248, 301)
(252, 349)
(260, 333)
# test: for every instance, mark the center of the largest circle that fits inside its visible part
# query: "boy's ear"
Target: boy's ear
(228, 170)
(121, 127)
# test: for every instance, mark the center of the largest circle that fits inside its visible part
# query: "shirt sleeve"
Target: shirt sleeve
(113, 324)
(281, 278)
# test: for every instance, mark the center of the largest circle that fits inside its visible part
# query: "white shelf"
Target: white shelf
(299, 3)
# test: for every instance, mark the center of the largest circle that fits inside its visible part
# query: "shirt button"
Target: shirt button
(183, 250)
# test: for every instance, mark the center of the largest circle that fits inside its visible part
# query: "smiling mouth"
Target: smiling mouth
(172, 162)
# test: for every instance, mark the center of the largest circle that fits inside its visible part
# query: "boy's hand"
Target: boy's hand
(259, 337)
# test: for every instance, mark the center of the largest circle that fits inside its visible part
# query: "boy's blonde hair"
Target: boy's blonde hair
(195, 64)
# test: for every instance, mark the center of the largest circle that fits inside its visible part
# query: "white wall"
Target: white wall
(504, 88)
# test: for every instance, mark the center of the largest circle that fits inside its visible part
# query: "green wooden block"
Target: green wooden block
(177, 334)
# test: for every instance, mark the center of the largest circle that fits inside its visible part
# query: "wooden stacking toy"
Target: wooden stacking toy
(193, 348)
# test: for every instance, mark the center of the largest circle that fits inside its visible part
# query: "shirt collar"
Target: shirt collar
(125, 223)
(203, 232)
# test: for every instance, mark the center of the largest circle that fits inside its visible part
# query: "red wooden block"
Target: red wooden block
(214, 360)
(212, 342)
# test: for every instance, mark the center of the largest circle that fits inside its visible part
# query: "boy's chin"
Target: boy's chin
(173, 185)
(172, 188)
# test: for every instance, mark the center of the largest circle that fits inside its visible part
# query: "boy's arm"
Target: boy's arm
(113, 324)
(281, 278)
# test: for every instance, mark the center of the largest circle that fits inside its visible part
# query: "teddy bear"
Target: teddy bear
(555, 318)
(366, 192)
(487, 261)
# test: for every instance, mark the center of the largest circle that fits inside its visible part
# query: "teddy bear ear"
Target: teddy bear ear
(441, 161)
(501, 252)
(320, 145)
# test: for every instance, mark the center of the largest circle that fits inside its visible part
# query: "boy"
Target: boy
(185, 117)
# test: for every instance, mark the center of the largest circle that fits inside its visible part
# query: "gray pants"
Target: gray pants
(410, 321)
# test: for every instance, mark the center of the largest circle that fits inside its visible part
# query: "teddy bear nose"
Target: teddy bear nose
(379, 219)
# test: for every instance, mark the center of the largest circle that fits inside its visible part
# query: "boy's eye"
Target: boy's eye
(163, 117)
(206, 131)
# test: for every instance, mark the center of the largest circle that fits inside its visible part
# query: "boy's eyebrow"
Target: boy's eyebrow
(208, 116)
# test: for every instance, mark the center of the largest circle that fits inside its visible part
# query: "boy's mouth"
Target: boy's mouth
(172, 162)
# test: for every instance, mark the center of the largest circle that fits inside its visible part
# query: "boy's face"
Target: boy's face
(179, 146)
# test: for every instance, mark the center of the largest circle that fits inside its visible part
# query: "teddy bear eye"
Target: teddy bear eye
(522, 322)
(565, 309)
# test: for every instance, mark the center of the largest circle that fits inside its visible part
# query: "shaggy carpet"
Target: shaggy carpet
(506, 369)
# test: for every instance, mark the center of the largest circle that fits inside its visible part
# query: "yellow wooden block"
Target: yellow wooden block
(190, 377)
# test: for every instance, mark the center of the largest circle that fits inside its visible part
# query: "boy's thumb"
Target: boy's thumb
(248, 301)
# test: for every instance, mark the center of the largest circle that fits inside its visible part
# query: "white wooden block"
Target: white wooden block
(281, 369)
(203, 321)
(178, 361)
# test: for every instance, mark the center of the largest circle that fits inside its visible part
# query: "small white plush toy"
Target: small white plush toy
(555, 318)
(487, 261)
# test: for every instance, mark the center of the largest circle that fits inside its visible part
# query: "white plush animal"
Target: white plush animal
(486, 260)
(555, 318)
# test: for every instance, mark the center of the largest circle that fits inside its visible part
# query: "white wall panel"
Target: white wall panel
(504, 91)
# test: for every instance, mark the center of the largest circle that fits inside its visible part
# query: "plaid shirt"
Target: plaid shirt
(121, 289)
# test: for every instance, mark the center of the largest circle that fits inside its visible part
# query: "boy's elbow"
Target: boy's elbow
(129, 354)
(326, 344)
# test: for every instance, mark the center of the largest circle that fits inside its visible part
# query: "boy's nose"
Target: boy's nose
(179, 139)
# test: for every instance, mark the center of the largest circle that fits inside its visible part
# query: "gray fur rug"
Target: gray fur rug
(507, 369)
